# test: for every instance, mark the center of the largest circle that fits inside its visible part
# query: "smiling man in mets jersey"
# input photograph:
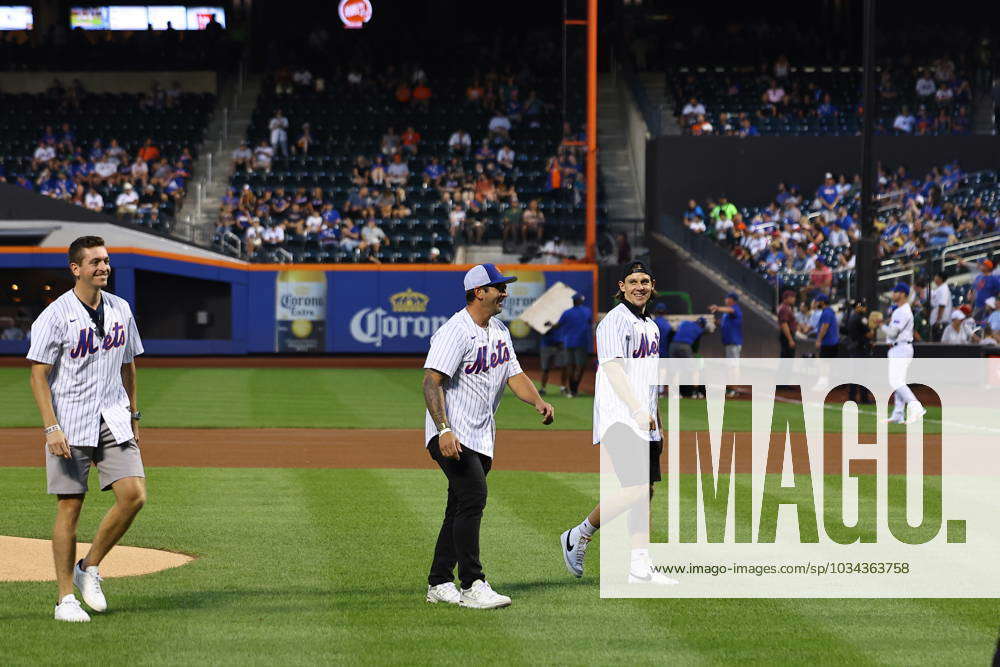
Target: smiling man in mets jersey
(83, 349)
(470, 362)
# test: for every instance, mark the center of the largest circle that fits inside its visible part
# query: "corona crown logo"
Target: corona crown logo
(409, 301)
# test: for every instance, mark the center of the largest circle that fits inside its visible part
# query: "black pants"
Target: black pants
(829, 351)
(458, 540)
(787, 351)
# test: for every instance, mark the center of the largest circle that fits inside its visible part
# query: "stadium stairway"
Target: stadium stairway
(655, 84)
(616, 167)
(982, 113)
(223, 137)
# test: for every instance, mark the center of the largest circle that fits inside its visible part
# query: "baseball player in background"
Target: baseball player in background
(83, 349)
(899, 335)
(470, 362)
(626, 416)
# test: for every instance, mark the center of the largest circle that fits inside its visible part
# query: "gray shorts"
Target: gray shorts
(576, 356)
(113, 461)
(733, 351)
(551, 356)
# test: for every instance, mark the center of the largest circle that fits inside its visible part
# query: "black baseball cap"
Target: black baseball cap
(636, 267)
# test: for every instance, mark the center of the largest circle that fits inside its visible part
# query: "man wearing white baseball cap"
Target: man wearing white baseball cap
(470, 362)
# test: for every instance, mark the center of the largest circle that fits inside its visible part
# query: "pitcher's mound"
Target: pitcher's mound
(25, 559)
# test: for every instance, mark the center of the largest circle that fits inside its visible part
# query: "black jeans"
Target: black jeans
(787, 351)
(458, 540)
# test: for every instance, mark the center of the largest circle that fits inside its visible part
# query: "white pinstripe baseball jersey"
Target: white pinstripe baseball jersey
(479, 362)
(86, 379)
(624, 335)
(902, 322)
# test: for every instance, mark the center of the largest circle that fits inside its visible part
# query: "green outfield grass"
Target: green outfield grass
(291, 570)
(320, 398)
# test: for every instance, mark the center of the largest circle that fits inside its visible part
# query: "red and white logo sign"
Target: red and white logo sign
(355, 13)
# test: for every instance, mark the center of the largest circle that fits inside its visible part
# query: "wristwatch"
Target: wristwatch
(137, 416)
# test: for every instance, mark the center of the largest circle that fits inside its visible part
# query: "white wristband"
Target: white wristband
(443, 431)
(52, 429)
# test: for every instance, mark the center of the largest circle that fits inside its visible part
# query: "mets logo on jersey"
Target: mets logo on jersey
(87, 345)
(486, 360)
(648, 347)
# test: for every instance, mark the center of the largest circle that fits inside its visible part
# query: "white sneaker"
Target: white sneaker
(641, 572)
(914, 411)
(89, 583)
(651, 578)
(482, 596)
(69, 610)
(573, 545)
(896, 418)
(446, 592)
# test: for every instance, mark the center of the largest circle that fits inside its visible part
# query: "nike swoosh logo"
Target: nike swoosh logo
(569, 547)
(73, 320)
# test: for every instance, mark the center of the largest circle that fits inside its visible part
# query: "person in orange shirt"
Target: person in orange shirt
(403, 93)
(422, 95)
(149, 152)
(554, 170)
(411, 139)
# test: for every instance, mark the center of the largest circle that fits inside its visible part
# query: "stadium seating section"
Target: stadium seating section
(735, 91)
(99, 116)
(346, 127)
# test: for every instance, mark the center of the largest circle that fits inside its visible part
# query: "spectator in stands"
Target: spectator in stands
(410, 141)
(43, 154)
(105, 167)
(505, 157)
(390, 142)
(554, 251)
(925, 86)
(701, 126)
(398, 172)
(149, 151)
(747, 129)
(692, 110)
(403, 93)
(456, 220)
(263, 156)
(128, 201)
(374, 237)
(992, 317)
(460, 142)
(278, 127)
(905, 121)
(273, 236)
(532, 222)
(243, 157)
(940, 305)
(434, 171)
(499, 127)
(93, 201)
(484, 152)
(139, 172)
(304, 142)
(827, 198)
(955, 333)
(473, 226)
(511, 221)
(422, 96)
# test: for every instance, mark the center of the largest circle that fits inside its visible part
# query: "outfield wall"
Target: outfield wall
(192, 306)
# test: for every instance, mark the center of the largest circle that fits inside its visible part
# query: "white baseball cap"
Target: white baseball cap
(957, 315)
(485, 274)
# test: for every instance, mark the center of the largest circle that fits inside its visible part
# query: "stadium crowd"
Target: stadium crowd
(142, 180)
(929, 99)
(799, 239)
(473, 181)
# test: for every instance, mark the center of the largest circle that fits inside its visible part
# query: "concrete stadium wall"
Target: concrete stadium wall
(748, 170)
(109, 82)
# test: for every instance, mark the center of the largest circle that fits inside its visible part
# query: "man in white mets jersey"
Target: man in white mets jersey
(899, 335)
(83, 349)
(470, 362)
(626, 419)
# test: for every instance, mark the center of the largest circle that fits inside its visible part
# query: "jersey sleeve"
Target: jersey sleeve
(613, 337)
(133, 343)
(448, 347)
(47, 335)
